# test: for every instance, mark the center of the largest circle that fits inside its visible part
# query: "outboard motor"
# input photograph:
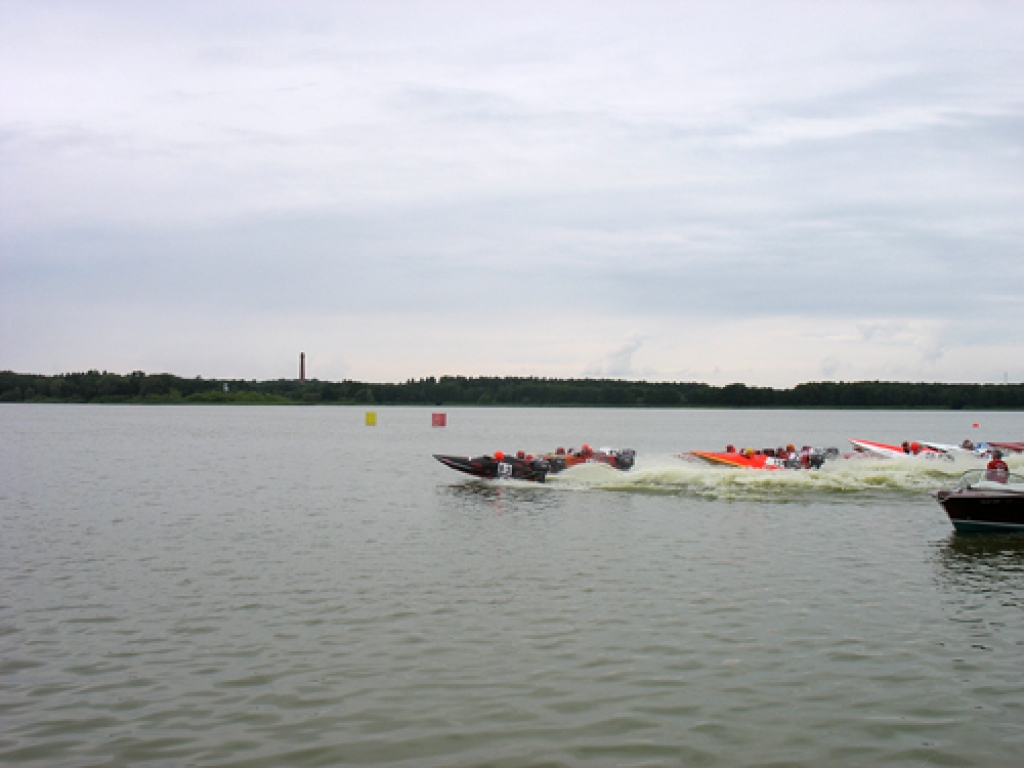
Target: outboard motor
(816, 457)
(540, 469)
(556, 463)
(627, 457)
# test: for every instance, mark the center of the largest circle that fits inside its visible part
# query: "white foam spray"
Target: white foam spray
(837, 479)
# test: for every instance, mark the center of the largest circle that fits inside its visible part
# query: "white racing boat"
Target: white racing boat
(887, 451)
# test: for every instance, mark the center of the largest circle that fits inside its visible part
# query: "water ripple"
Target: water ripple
(219, 587)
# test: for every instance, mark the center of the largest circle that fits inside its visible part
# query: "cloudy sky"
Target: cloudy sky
(764, 192)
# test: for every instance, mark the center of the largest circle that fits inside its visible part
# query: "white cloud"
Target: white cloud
(821, 189)
(618, 363)
(830, 366)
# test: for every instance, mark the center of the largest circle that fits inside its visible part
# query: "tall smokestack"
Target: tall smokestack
(302, 368)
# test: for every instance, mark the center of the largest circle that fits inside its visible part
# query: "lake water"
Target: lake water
(264, 586)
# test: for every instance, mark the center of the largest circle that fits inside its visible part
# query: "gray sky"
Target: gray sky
(759, 192)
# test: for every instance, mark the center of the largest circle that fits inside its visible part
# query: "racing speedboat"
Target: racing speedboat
(733, 459)
(984, 449)
(499, 466)
(623, 458)
(886, 451)
(523, 466)
(1007, 447)
(808, 459)
(950, 449)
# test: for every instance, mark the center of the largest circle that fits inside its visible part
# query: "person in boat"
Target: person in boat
(730, 448)
(997, 469)
(905, 446)
(967, 445)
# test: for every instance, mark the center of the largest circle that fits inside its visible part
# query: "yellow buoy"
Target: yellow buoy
(371, 418)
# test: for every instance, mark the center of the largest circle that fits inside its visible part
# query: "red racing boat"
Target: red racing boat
(808, 458)
(733, 459)
(616, 458)
(766, 459)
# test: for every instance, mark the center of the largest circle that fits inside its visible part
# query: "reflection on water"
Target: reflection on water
(972, 547)
(264, 587)
(984, 564)
(491, 496)
(982, 579)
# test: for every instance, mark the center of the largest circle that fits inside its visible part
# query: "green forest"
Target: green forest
(165, 388)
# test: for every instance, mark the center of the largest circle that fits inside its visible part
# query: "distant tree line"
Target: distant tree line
(139, 387)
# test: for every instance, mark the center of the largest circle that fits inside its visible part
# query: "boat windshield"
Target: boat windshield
(990, 480)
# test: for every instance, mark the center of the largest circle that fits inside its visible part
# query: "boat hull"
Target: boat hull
(489, 468)
(977, 511)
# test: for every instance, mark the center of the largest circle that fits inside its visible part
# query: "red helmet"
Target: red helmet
(520, 454)
(499, 455)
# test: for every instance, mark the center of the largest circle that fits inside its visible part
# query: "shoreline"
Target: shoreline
(139, 388)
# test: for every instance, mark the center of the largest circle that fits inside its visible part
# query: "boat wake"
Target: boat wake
(840, 479)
